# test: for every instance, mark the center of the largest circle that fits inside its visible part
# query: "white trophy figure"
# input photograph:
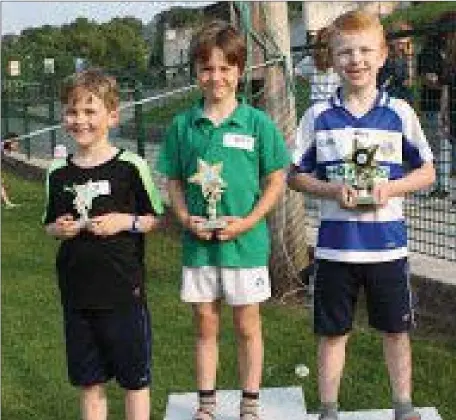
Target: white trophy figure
(83, 197)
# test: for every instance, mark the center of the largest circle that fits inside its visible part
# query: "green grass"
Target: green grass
(34, 383)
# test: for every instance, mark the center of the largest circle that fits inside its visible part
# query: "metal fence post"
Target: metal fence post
(52, 133)
(26, 118)
(5, 111)
(139, 120)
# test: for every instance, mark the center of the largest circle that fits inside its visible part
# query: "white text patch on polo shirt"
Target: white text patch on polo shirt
(239, 141)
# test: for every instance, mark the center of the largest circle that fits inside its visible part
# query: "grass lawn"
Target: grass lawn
(34, 384)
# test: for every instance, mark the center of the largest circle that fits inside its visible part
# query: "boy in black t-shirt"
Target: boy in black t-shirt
(100, 203)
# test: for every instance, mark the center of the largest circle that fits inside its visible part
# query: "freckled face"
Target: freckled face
(87, 119)
(358, 57)
(217, 78)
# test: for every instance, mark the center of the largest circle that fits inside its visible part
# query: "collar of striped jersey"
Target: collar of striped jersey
(337, 99)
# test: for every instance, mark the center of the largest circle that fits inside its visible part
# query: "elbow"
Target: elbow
(431, 175)
(291, 179)
(292, 184)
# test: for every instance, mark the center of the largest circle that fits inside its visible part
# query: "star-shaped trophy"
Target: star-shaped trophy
(212, 187)
(365, 171)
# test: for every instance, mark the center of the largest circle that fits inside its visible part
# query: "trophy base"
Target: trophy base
(365, 199)
(214, 224)
(82, 223)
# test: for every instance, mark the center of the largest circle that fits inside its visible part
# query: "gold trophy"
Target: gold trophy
(365, 172)
(212, 187)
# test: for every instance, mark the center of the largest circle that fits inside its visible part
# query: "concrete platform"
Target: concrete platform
(276, 403)
(427, 413)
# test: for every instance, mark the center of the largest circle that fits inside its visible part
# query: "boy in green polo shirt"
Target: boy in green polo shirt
(241, 147)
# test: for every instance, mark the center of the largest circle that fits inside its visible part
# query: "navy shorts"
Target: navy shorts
(387, 291)
(105, 344)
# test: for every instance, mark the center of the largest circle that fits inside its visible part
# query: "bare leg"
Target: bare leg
(137, 404)
(94, 405)
(206, 316)
(331, 361)
(247, 324)
(398, 357)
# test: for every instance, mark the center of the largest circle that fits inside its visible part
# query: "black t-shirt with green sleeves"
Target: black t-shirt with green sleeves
(250, 147)
(101, 272)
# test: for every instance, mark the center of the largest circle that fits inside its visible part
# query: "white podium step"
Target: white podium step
(427, 413)
(276, 403)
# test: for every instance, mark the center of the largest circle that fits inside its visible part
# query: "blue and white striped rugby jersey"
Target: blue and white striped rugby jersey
(324, 139)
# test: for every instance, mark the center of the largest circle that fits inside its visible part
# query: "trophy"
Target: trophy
(83, 197)
(365, 171)
(212, 186)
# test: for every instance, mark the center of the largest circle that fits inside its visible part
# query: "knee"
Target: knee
(207, 325)
(248, 328)
(94, 392)
(334, 340)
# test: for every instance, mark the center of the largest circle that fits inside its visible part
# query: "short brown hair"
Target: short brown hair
(93, 81)
(356, 21)
(222, 35)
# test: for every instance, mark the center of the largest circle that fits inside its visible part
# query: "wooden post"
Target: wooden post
(290, 254)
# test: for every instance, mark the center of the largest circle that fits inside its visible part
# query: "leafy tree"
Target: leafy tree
(118, 44)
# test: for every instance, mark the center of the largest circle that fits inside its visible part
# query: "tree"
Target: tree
(125, 46)
(118, 44)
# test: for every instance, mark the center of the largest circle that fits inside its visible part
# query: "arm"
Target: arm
(179, 206)
(274, 187)
(113, 223)
(417, 179)
(64, 227)
(343, 194)
(177, 199)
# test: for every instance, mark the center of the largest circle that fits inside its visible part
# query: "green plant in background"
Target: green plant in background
(419, 13)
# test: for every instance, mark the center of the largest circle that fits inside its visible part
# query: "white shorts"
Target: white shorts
(239, 286)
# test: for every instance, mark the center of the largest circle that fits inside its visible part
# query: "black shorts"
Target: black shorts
(105, 344)
(387, 290)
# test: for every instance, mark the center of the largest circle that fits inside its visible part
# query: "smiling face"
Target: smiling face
(357, 58)
(87, 119)
(217, 78)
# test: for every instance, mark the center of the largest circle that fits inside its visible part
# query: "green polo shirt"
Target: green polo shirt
(250, 147)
